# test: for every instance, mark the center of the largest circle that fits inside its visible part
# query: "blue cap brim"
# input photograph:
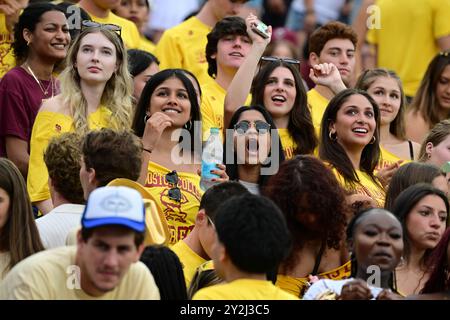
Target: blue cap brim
(137, 226)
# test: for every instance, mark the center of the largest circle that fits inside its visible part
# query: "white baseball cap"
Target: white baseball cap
(114, 206)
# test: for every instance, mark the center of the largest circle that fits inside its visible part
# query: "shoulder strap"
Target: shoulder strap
(318, 259)
(411, 150)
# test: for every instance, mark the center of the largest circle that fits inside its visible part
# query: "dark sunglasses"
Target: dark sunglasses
(174, 192)
(277, 59)
(108, 26)
(243, 126)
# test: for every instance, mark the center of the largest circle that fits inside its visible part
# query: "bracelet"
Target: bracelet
(148, 150)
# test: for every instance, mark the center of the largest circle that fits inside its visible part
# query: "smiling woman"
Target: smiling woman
(95, 93)
(349, 142)
(41, 41)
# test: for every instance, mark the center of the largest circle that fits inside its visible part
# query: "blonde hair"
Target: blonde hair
(367, 78)
(436, 135)
(117, 94)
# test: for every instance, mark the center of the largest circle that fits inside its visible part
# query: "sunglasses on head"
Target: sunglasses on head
(243, 126)
(174, 192)
(277, 59)
(108, 26)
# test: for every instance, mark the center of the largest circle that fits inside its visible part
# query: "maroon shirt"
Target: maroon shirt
(20, 99)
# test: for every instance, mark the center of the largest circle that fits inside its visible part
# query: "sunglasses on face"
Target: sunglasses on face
(108, 26)
(243, 126)
(174, 192)
(277, 59)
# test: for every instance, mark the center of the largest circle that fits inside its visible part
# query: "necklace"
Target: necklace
(44, 91)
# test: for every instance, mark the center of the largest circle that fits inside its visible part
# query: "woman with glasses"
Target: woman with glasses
(171, 156)
(314, 206)
(41, 41)
(252, 147)
(278, 87)
(431, 103)
(349, 142)
(96, 92)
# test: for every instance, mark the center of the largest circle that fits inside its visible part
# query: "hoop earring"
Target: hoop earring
(188, 127)
(332, 137)
(28, 43)
(146, 117)
(373, 140)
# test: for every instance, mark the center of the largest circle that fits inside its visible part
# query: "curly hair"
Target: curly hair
(62, 158)
(304, 185)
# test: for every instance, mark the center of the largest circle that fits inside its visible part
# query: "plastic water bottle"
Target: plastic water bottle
(212, 155)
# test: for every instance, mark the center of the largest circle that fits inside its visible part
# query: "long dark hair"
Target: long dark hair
(439, 280)
(334, 153)
(143, 105)
(406, 201)
(232, 168)
(300, 125)
(19, 236)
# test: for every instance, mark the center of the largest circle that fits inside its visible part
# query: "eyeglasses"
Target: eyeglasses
(174, 192)
(277, 59)
(243, 126)
(108, 26)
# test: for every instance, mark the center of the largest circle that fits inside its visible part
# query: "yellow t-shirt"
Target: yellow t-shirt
(244, 289)
(4, 262)
(7, 60)
(298, 286)
(129, 33)
(387, 158)
(189, 260)
(407, 39)
(147, 45)
(287, 143)
(317, 104)
(365, 186)
(183, 46)
(180, 215)
(212, 108)
(47, 125)
(53, 275)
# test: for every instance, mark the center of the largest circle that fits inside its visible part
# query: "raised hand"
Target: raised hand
(327, 74)
(154, 127)
(251, 22)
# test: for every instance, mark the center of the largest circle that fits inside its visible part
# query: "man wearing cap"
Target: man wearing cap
(103, 265)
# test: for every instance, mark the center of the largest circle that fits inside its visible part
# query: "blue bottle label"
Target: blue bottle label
(206, 168)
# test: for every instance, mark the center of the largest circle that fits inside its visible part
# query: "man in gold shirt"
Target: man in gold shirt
(251, 240)
(183, 46)
(104, 264)
(333, 43)
(195, 249)
(227, 47)
(100, 11)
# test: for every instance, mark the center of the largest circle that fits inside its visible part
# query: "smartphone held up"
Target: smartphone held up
(261, 29)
